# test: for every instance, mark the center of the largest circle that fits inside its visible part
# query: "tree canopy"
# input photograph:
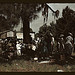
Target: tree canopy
(66, 23)
(43, 30)
(14, 11)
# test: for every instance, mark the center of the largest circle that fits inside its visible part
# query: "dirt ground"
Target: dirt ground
(21, 65)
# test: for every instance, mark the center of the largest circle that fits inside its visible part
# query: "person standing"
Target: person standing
(69, 45)
(61, 48)
(52, 42)
(18, 46)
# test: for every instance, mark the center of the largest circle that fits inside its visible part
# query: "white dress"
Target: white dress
(18, 46)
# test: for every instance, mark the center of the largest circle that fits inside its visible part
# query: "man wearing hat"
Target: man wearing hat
(69, 37)
(69, 45)
(61, 41)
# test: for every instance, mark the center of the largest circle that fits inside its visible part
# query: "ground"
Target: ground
(21, 65)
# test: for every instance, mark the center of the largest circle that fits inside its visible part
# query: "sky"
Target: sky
(36, 24)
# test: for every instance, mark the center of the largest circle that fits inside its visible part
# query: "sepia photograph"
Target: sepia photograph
(37, 37)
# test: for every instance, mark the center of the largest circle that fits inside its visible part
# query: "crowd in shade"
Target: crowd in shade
(43, 48)
(46, 45)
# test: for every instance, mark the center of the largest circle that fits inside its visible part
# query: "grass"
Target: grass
(29, 66)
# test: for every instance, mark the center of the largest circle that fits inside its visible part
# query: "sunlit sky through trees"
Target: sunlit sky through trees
(55, 6)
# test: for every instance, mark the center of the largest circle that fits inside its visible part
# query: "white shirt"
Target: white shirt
(33, 47)
(36, 41)
(53, 40)
(19, 52)
(18, 46)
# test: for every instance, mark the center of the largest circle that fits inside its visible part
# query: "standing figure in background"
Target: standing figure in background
(18, 46)
(52, 42)
(69, 45)
(62, 47)
(45, 50)
(48, 39)
(58, 45)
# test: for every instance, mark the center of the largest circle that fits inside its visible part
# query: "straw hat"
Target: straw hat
(61, 35)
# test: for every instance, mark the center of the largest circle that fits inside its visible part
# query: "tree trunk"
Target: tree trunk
(26, 31)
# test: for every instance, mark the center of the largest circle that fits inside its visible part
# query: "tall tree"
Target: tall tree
(28, 14)
(16, 10)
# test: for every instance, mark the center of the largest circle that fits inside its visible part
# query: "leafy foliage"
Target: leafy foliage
(3, 24)
(11, 13)
(47, 28)
(14, 11)
(66, 23)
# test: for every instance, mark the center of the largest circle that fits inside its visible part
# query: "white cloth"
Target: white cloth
(53, 42)
(18, 46)
(36, 41)
(38, 38)
(33, 47)
(19, 52)
(69, 38)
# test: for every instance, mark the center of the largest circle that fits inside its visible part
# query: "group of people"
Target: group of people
(44, 46)
(7, 48)
(65, 46)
